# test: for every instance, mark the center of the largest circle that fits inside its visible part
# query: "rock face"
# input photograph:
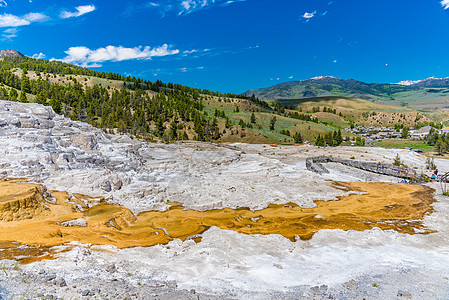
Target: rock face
(72, 156)
(75, 223)
(37, 144)
(21, 201)
(10, 53)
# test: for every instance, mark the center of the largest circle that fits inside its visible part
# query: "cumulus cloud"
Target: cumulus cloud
(92, 58)
(184, 7)
(445, 4)
(80, 10)
(39, 55)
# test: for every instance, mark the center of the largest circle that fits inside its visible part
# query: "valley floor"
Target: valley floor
(76, 158)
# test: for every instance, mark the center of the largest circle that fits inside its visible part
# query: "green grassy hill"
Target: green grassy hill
(430, 94)
(357, 111)
(172, 112)
(152, 110)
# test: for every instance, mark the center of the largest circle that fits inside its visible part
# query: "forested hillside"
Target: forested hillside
(138, 107)
(151, 110)
(171, 112)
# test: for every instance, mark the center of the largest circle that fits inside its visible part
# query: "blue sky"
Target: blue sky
(233, 46)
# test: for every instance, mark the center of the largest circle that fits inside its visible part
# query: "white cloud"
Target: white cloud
(196, 52)
(308, 15)
(233, 1)
(190, 51)
(184, 7)
(9, 34)
(291, 77)
(190, 69)
(39, 55)
(35, 17)
(186, 4)
(87, 57)
(3, 3)
(80, 10)
(445, 4)
(8, 20)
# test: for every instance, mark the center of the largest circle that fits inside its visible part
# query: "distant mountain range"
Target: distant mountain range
(428, 82)
(421, 92)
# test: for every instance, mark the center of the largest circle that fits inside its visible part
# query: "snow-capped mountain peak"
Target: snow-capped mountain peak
(409, 82)
(430, 80)
(322, 77)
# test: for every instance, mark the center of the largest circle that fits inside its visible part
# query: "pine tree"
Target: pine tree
(328, 139)
(23, 97)
(160, 128)
(173, 131)
(253, 117)
(55, 103)
(338, 139)
(273, 123)
(297, 138)
(185, 136)
(13, 95)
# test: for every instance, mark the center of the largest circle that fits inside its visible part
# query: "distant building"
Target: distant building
(423, 132)
(444, 130)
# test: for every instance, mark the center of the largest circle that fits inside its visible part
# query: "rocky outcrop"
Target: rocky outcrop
(84, 141)
(122, 220)
(66, 155)
(74, 223)
(314, 164)
(26, 205)
(10, 53)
